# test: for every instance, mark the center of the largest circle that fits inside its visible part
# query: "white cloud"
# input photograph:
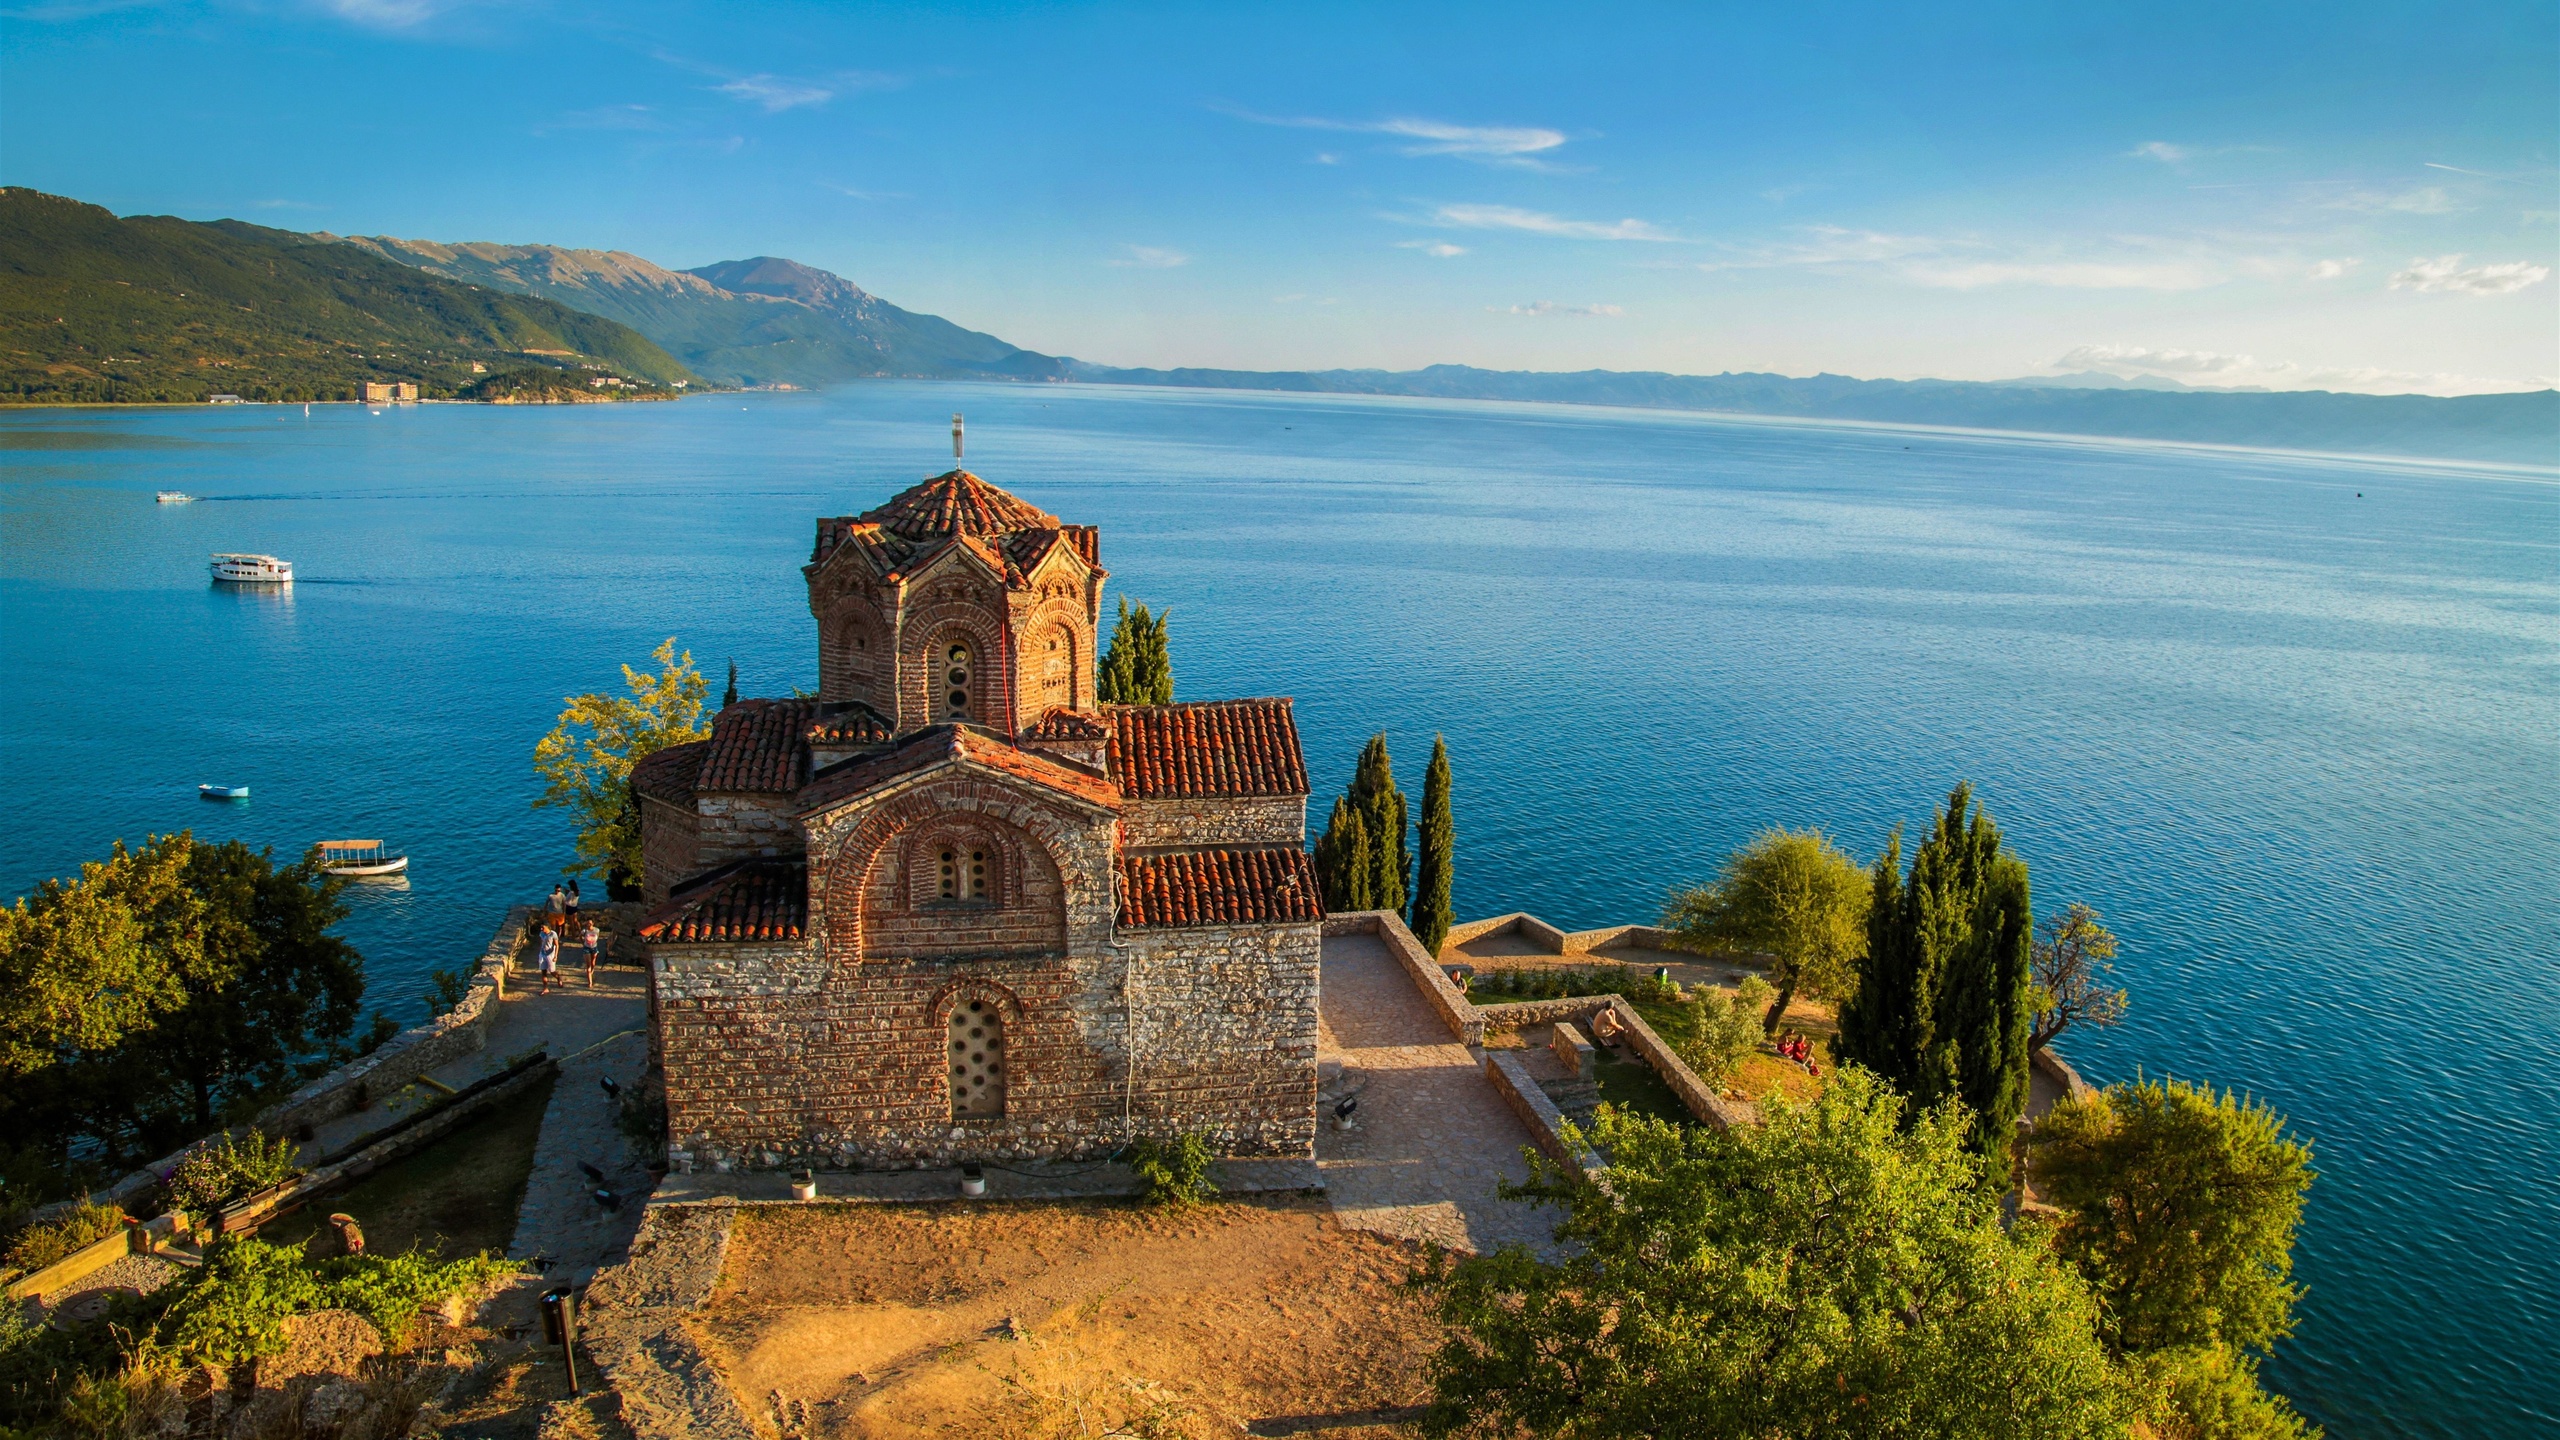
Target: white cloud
(1150, 257)
(1549, 307)
(2448, 273)
(2162, 151)
(2332, 269)
(851, 193)
(2215, 369)
(1327, 157)
(384, 14)
(1830, 245)
(2064, 275)
(2425, 200)
(1507, 217)
(1436, 249)
(1513, 145)
(775, 93)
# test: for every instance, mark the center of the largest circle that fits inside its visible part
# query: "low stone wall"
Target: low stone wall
(1657, 1054)
(2059, 1071)
(1518, 1089)
(1437, 988)
(1650, 937)
(1557, 941)
(458, 1032)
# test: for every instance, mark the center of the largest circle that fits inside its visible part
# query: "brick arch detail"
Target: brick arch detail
(1053, 617)
(915, 845)
(923, 636)
(838, 616)
(851, 857)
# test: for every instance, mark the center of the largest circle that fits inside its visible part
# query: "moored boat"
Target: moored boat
(252, 569)
(223, 792)
(360, 858)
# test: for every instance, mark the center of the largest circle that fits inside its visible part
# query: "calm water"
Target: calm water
(2290, 723)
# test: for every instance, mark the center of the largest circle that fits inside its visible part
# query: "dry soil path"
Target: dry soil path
(1432, 1138)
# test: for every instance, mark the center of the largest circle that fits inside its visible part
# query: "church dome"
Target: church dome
(958, 503)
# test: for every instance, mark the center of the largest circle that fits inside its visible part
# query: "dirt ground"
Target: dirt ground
(1258, 1316)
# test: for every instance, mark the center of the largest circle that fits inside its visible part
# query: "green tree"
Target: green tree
(1724, 1029)
(729, 696)
(2073, 956)
(1829, 1272)
(589, 774)
(1343, 860)
(1383, 815)
(1789, 894)
(1434, 868)
(1137, 665)
(2179, 1205)
(86, 963)
(1942, 1004)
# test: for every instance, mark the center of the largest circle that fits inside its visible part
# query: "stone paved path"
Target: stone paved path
(1433, 1138)
(560, 1217)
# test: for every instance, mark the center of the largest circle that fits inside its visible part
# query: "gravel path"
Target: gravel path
(1433, 1138)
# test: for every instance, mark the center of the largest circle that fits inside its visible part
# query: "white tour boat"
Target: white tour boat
(253, 569)
(359, 857)
(175, 497)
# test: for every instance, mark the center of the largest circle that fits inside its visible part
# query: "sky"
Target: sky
(2331, 196)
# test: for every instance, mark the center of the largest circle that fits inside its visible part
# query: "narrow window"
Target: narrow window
(950, 876)
(955, 675)
(977, 874)
(977, 1062)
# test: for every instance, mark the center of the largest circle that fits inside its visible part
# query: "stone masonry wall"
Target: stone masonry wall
(733, 826)
(670, 838)
(1255, 820)
(774, 1056)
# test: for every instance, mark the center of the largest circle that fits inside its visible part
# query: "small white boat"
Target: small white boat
(223, 792)
(253, 569)
(359, 858)
(175, 497)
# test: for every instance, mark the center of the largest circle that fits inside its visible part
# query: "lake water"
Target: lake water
(2291, 723)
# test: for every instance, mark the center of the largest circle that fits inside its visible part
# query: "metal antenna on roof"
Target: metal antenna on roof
(955, 436)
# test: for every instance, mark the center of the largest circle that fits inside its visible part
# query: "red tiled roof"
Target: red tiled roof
(958, 503)
(757, 745)
(746, 900)
(1218, 887)
(669, 774)
(854, 724)
(1067, 725)
(945, 744)
(1216, 747)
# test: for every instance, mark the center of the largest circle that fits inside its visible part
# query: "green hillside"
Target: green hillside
(153, 308)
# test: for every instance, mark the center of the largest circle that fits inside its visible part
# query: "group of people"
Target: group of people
(1798, 1048)
(559, 924)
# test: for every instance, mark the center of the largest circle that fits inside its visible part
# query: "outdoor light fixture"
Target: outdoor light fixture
(560, 1327)
(973, 1179)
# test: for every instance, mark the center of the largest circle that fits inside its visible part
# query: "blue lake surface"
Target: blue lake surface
(2291, 723)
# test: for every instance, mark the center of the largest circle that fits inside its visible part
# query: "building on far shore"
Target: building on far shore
(224, 400)
(394, 392)
(949, 908)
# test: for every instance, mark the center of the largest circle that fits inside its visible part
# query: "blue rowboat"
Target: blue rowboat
(223, 792)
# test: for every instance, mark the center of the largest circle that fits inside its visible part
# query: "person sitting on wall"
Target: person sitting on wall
(1606, 1027)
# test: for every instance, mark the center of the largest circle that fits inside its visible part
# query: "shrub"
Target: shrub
(1725, 1028)
(40, 1245)
(1175, 1172)
(228, 1167)
(236, 1306)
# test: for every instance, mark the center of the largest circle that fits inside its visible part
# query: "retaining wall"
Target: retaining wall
(1518, 1089)
(1437, 988)
(1557, 941)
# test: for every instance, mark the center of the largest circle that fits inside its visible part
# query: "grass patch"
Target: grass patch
(1630, 1084)
(455, 1198)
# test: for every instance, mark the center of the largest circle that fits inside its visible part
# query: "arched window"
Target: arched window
(1057, 668)
(961, 876)
(977, 1061)
(955, 674)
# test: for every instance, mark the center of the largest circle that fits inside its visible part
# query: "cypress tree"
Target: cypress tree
(1152, 669)
(1344, 866)
(1431, 914)
(1137, 664)
(729, 696)
(1943, 1002)
(1374, 793)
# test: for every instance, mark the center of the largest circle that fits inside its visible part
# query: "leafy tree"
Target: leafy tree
(1431, 912)
(1382, 813)
(2212, 1393)
(1137, 665)
(1830, 1272)
(1941, 1008)
(2072, 958)
(1344, 864)
(1725, 1029)
(590, 774)
(85, 963)
(2179, 1205)
(1791, 895)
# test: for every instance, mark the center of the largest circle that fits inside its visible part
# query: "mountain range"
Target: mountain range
(155, 308)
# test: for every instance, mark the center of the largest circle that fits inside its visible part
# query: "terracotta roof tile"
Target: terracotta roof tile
(945, 744)
(853, 724)
(957, 503)
(669, 774)
(1067, 725)
(745, 900)
(758, 745)
(1217, 747)
(1218, 887)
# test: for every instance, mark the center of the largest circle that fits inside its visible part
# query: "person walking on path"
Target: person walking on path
(546, 955)
(558, 905)
(594, 942)
(573, 902)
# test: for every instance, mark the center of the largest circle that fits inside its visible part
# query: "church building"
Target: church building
(953, 909)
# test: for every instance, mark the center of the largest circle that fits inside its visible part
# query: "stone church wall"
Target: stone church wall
(736, 825)
(1183, 824)
(669, 836)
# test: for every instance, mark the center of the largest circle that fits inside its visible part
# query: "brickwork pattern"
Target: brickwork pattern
(1213, 820)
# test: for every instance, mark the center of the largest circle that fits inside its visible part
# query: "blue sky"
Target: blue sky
(2335, 195)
